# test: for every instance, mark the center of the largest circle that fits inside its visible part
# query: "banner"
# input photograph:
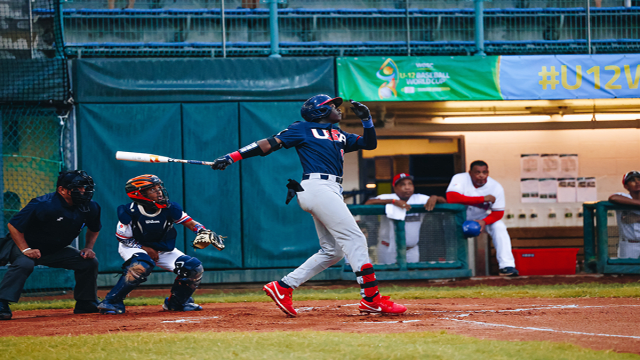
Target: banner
(569, 77)
(435, 78)
(410, 78)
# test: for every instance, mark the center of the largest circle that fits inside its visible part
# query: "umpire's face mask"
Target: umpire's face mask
(81, 189)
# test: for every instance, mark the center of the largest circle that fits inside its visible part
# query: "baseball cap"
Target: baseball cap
(401, 176)
(630, 175)
(73, 177)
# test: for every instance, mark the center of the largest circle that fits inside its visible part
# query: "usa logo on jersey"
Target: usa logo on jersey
(335, 135)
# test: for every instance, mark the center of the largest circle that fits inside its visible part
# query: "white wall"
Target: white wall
(605, 154)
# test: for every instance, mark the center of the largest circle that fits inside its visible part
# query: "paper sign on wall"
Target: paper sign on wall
(586, 190)
(569, 165)
(529, 166)
(567, 190)
(529, 190)
(550, 166)
(548, 190)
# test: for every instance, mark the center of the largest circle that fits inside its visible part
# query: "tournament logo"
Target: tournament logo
(388, 72)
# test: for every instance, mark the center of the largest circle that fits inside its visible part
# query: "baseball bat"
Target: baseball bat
(151, 158)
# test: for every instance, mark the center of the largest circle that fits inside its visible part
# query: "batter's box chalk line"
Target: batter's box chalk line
(540, 329)
(385, 322)
(190, 320)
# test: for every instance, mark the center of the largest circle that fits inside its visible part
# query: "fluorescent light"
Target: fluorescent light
(600, 117)
(371, 186)
(495, 119)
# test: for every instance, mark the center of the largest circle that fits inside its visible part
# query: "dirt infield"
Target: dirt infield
(596, 323)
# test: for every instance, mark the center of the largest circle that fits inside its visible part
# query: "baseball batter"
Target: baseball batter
(147, 238)
(321, 146)
(481, 193)
(403, 197)
(629, 220)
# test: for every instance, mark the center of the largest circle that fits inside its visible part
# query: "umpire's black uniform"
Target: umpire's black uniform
(50, 224)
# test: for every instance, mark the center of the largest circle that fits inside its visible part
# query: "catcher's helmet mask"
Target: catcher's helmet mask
(74, 180)
(319, 107)
(135, 190)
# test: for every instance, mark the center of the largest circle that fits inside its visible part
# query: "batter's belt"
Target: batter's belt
(335, 178)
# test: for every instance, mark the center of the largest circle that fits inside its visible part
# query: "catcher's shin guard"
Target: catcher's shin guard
(135, 272)
(368, 284)
(189, 270)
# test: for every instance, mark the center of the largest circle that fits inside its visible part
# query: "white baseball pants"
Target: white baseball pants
(166, 259)
(502, 243)
(338, 232)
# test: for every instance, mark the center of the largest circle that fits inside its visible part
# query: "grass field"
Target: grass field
(628, 290)
(290, 345)
(269, 344)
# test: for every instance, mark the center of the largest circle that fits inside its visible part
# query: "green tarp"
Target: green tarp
(200, 80)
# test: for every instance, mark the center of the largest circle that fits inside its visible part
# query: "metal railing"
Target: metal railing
(337, 28)
(606, 242)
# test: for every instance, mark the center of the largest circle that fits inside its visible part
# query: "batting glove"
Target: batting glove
(363, 113)
(360, 110)
(222, 162)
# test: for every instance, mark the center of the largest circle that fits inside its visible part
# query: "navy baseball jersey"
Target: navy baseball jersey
(49, 223)
(137, 228)
(321, 147)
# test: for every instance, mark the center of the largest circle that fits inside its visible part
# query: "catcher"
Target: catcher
(147, 238)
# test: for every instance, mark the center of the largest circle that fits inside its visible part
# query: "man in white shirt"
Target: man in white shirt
(629, 221)
(481, 193)
(403, 197)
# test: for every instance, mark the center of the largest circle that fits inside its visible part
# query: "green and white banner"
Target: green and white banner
(433, 78)
(410, 78)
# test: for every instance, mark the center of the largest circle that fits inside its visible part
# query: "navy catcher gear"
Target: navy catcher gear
(318, 107)
(189, 270)
(135, 190)
(471, 228)
(136, 270)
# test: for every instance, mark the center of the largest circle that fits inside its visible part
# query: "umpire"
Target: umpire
(42, 232)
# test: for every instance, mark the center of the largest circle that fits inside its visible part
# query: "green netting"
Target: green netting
(32, 63)
(32, 157)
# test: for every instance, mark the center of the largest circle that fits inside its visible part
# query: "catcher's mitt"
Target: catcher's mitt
(207, 237)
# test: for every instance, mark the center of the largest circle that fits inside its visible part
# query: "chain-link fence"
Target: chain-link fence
(32, 63)
(33, 153)
(348, 28)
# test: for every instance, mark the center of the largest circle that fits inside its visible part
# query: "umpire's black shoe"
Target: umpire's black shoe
(5, 311)
(86, 307)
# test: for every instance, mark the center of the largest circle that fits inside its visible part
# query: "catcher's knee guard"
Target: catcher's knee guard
(189, 271)
(134, 272)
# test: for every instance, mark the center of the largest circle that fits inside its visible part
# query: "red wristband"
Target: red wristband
(236, 156)
(393, 201)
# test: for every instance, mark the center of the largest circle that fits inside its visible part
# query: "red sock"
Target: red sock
(369, 283)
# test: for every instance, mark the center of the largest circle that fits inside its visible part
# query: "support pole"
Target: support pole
(406, 14)
(223, 21)
(401, 245)
(479, 14)
(273, 27)
(588, 27)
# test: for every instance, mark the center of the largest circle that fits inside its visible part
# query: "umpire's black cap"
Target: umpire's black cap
(67, 178)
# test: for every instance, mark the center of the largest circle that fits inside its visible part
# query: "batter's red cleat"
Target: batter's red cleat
(282, 297)
(381, 306)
